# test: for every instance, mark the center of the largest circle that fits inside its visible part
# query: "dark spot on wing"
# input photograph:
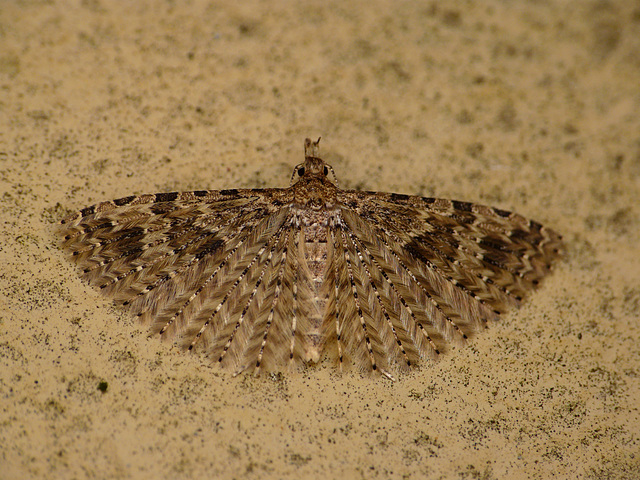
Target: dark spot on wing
(463, 206)
(502, 213)
(463, 218)
(88, 211)
(124, 201)
(166, 197)
(398, 197)
(200, 193)
(519, 235)
(489, 245)
(229, 191)
(535, 225)
(414, 249)
(161, 208)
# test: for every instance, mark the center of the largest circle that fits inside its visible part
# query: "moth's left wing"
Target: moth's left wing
(202, 266)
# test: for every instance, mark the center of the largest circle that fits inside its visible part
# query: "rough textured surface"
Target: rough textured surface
(528, 107)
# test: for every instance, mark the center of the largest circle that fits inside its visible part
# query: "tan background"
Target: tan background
(531, 106)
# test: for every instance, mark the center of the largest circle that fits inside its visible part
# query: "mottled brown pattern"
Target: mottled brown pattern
(280, 278)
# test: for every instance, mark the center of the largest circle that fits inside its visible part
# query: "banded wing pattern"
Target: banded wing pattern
(280, 278)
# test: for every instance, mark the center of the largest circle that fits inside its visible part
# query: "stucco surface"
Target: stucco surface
(528, 106)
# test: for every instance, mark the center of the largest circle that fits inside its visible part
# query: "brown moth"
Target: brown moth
(283, 277)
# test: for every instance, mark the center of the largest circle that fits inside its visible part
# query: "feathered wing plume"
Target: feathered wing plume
(417, 273)
(278, 278)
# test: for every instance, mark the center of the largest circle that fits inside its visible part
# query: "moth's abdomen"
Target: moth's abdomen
(315, 297)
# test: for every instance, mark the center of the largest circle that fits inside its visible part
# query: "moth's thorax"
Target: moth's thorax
(314, 195)
(314, 190)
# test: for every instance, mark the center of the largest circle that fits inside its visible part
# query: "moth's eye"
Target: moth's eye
(326, 171)
(301, 171)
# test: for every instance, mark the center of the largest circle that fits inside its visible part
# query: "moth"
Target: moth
(281, 278)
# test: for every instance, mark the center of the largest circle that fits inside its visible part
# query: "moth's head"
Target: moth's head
(313, 167)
